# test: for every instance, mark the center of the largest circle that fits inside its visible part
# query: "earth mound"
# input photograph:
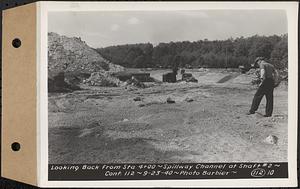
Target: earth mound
(72, 56)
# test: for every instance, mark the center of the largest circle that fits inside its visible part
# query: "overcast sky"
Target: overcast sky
(101, 29)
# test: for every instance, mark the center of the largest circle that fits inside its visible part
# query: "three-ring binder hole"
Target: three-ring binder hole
(16, 43)
(15, 146)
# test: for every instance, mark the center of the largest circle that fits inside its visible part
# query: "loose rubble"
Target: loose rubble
(135, 83)
(103, 79)
(188, 77)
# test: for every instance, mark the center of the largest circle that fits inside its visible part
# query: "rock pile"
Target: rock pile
(253, 72)
(133, 82)
(78, 61)
(72, 54)
(103, 79)
(188, 77)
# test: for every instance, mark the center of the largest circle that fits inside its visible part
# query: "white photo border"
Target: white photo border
(43, 8)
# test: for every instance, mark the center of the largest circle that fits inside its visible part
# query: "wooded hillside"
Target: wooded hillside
(203, 53)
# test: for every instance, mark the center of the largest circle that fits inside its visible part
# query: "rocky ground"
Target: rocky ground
(203, 122)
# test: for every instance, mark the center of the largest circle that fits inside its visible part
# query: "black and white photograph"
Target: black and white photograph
(168, 88)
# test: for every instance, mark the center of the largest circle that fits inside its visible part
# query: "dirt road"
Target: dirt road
(106, 125)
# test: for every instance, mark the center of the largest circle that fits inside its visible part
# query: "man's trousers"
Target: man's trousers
(265, 89)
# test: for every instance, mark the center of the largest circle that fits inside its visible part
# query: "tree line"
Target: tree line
(230, 53)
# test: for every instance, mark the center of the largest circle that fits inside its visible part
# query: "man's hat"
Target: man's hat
(258, 59)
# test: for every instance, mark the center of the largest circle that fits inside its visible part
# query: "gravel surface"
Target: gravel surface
(105, 124)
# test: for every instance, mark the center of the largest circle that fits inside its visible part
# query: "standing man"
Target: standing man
(268, 75)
